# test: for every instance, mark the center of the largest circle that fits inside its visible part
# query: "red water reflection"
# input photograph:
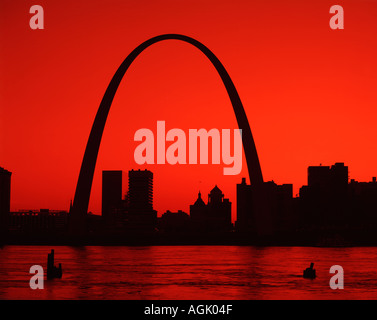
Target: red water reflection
(189, 272)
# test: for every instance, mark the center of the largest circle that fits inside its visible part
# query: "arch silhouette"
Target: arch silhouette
(79, 208)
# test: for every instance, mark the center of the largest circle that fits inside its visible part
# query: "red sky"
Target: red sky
(309, 91)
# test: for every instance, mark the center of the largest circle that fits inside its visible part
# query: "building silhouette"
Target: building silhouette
(38, 222)
(5, 181)
(280, 200)
(330, 210)
(363, 207)
(333, 211)
(111, 195)
(324, 202)
(140, 215)
(174, 222)
(215, 216)
(245, 218)
(278, 214)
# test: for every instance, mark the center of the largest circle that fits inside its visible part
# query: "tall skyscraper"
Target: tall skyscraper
(324, 201)
(273, 219)
(140, 216)
(245, 218)
(140, 190)
(329, 178)
(111, 194)
(5, 177)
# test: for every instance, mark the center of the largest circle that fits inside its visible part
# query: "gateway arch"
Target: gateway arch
(80, 204)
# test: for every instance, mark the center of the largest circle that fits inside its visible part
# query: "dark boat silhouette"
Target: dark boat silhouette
(309, 273)
(53, 271)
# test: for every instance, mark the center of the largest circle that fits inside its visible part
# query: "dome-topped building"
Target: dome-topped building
(199, 201)
(216, 195)
(215, 216)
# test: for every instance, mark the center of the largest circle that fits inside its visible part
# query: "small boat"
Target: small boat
(309, 273)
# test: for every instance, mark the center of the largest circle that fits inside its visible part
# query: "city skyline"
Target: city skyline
(308, 92)
(331, 210)
(121, 191)
(188, 157)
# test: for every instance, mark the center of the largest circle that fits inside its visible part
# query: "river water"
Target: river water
(189, 272)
